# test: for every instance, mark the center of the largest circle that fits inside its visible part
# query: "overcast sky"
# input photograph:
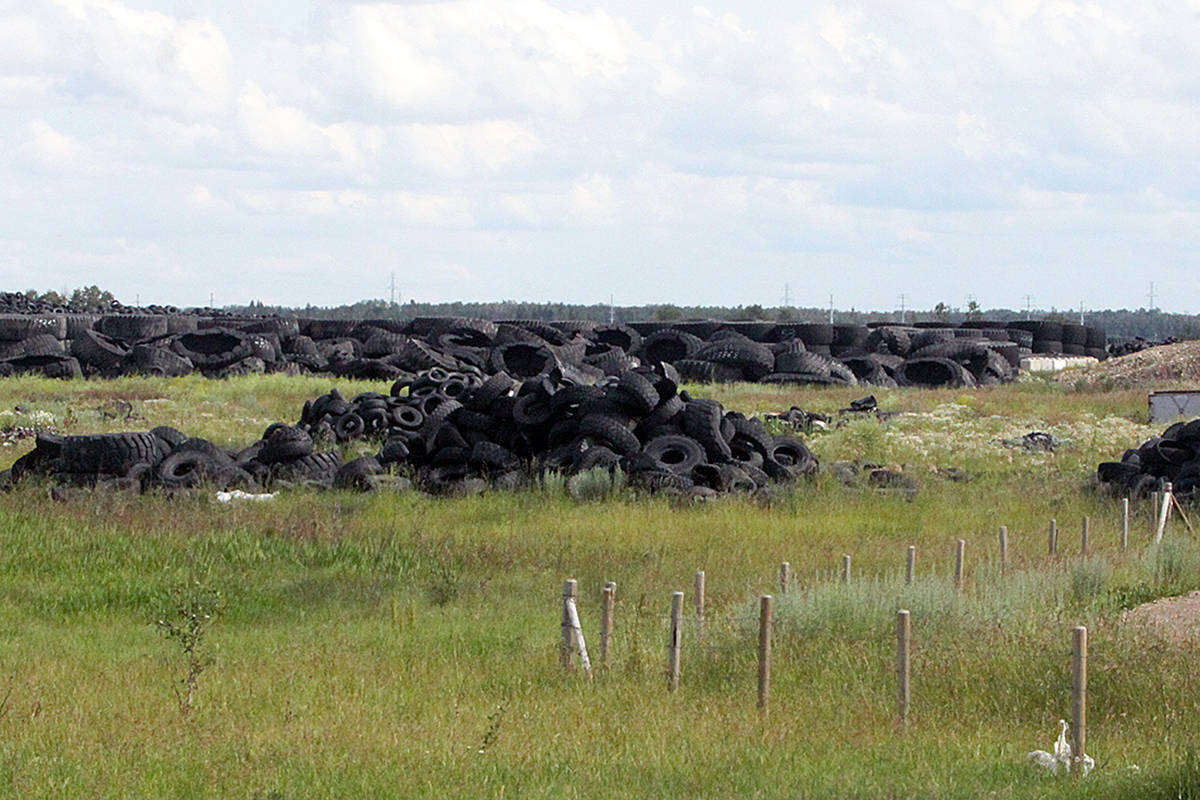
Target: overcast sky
(656, 151)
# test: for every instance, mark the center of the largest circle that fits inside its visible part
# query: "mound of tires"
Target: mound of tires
(457, 431)
(1174, 456)
(109, 345)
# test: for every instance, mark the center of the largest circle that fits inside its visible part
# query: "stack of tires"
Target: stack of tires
(456, 431)
(1174, 456)
(702, 351)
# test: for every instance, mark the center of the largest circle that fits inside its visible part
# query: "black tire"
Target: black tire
(319, 467)
(97, 350)
(889, 339)
(354, 474)
(15, 327)
(523, 360)
(610, 432)
(133, 327)
(792, 454)
(187, 469)
(671, 346)
(818, 333)
(621, 336)
(802, 361)
(109, 453)
(675, 453)
(147, 359)
(349, 426)
(753, 360)
(1048, 347)
(285, 443)
(212, 349)
(934, 372)
(636, 392)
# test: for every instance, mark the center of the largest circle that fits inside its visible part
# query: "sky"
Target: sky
(1011, 152)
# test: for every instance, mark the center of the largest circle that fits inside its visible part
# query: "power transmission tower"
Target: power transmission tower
(787, 295)
(903, 297)
(1151, 296)
(1081, 312)
(392, 300)
(612, 314)
(1028, 306)
(830, 309)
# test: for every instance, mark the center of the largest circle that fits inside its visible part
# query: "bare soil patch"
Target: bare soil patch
(1173, 618)
(1169, 363)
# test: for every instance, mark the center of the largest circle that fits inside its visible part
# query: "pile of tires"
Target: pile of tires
(1174, 456)
(455, 431)
(109, 345)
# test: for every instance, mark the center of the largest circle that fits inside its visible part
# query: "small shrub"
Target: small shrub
(1089, 579)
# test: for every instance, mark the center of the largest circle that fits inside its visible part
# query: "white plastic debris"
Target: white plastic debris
(1060, 759)
(238, 494)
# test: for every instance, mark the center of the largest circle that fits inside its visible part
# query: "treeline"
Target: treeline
(1147, 323)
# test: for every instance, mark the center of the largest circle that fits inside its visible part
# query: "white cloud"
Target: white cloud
(288, 132)
(461, 150)
(57, 151)
(179, 65)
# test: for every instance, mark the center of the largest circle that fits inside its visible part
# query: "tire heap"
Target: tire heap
(459, 431)
(73, 345)
(1174, 456)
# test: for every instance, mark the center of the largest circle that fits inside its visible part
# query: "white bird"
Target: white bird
(1062, 748)
(1061, 757)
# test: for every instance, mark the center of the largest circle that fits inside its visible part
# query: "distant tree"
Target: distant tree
(973, 310)
(667, 313)
(941, 312)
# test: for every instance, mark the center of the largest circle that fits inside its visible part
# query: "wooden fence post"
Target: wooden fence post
(1053, 537)
(903, 657)
(1003, 549)
(577, 638)
(698, 599)
(785, 576)
(845, 569)
(1079, 654)
(1164, 512)
(567, 653)
(910, 564)
(607, 609)
(959, 553)
(764, 651)
(675, 643)
(1155, 502)
(1083, 537)
(1124, 524)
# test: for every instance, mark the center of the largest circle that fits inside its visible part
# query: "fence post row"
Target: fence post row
(1053, 537)
(846, 569)
(785, 576)
(910, 564)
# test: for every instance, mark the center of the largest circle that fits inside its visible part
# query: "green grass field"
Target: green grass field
(397, 645)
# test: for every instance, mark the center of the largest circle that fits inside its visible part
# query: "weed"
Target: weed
(188, 613)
